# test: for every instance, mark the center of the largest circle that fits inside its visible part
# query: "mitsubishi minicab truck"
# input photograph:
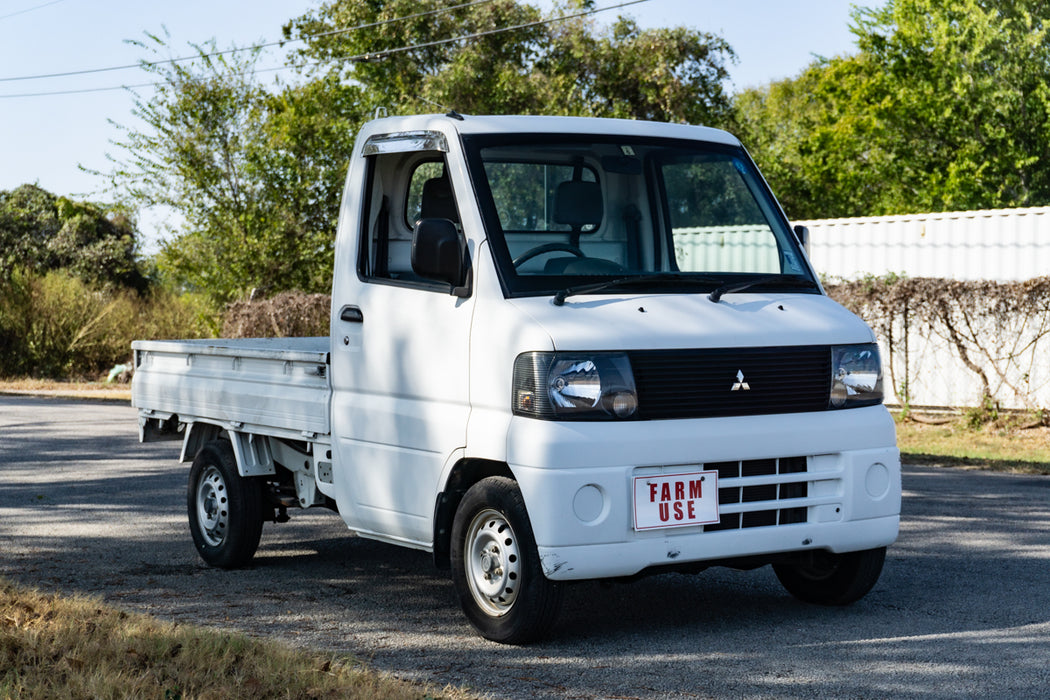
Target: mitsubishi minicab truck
(561, 349)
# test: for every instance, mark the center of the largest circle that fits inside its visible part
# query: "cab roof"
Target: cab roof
(467, 124)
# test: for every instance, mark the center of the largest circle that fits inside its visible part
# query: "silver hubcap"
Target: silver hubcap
(493, 562)
(213, 513)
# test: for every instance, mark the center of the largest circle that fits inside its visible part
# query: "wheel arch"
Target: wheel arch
(197, 435)
(464, 474)
(252, 451)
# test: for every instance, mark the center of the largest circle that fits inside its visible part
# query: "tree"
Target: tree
(556, 67)
(944, 106)
(412, 80)
(254, 173)
(40, 232)
(824, 154)
(666, 74)
(968, 98)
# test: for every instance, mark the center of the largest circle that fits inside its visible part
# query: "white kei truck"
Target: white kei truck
(561, 349)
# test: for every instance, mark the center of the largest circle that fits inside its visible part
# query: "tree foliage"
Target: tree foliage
(569, 66)
(40, 232)
(254, 174)
(54, 324)
(944, 107)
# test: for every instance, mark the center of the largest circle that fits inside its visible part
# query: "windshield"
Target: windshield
(563, 212)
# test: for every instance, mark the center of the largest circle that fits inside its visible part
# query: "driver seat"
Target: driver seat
(437, 201)
(577, 203)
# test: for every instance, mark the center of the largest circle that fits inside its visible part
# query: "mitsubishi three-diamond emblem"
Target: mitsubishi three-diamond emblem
(740, 385)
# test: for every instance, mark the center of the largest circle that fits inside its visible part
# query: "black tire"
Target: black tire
(496, 568)
(824, 578)
(225, 509)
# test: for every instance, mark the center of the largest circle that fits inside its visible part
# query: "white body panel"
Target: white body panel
(569, 469)
(629, 322)
(400, 379)
(399, 408)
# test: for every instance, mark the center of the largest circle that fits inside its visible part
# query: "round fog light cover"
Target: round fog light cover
(877, 481)
(589, 503)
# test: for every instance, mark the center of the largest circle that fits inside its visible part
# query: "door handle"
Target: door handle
(351, 314)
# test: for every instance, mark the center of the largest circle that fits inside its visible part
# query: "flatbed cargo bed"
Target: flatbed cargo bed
(268, 386)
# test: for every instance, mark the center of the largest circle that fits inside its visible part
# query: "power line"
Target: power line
(383, 53)
(266, 45)
(112, 88)
(359, 58)
(30, 9)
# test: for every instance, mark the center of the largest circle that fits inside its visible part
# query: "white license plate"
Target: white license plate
(675, 500)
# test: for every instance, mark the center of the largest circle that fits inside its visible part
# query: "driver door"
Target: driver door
(400, 377)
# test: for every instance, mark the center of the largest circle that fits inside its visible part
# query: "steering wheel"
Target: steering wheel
(547, 248)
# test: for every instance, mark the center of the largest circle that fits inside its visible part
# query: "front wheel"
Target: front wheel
(496, 568)
(225, 508)
(832, 579)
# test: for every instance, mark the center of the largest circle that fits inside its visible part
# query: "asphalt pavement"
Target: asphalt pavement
(962, 608)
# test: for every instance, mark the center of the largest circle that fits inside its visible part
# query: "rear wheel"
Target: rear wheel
(832, 579)
(225, 509)
(496, 567)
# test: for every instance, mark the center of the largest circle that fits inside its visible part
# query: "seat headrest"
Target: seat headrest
(437, 201)
(578, 203)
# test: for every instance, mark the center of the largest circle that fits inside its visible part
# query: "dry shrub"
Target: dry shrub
(286, 315)
(57, 326)
(54, 647)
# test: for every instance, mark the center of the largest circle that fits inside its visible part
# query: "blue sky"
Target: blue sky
(45, 139)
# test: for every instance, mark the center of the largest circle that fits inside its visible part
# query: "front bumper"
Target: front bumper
(576, 479)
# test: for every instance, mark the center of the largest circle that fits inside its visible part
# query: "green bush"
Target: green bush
(57, 326)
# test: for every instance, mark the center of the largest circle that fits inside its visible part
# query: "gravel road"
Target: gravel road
(962, 608)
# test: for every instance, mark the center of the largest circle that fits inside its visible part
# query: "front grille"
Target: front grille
(746, 499)
(731, 381)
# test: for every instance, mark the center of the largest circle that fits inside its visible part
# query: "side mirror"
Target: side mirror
(802, 234)
(439, 253)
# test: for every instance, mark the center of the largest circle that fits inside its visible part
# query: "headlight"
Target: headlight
(856, 376)
(574, 386)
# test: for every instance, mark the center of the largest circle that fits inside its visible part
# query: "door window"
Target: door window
(402, 189)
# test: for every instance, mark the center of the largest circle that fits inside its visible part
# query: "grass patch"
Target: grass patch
(1001, 445)
(76, 647)
(66, 389)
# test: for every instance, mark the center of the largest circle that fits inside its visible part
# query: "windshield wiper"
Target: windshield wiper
(657, 278)
(785, 280)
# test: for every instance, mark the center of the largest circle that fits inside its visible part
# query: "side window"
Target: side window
(716, 223)
(421, 175)
(525, 194)
(403, 188)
